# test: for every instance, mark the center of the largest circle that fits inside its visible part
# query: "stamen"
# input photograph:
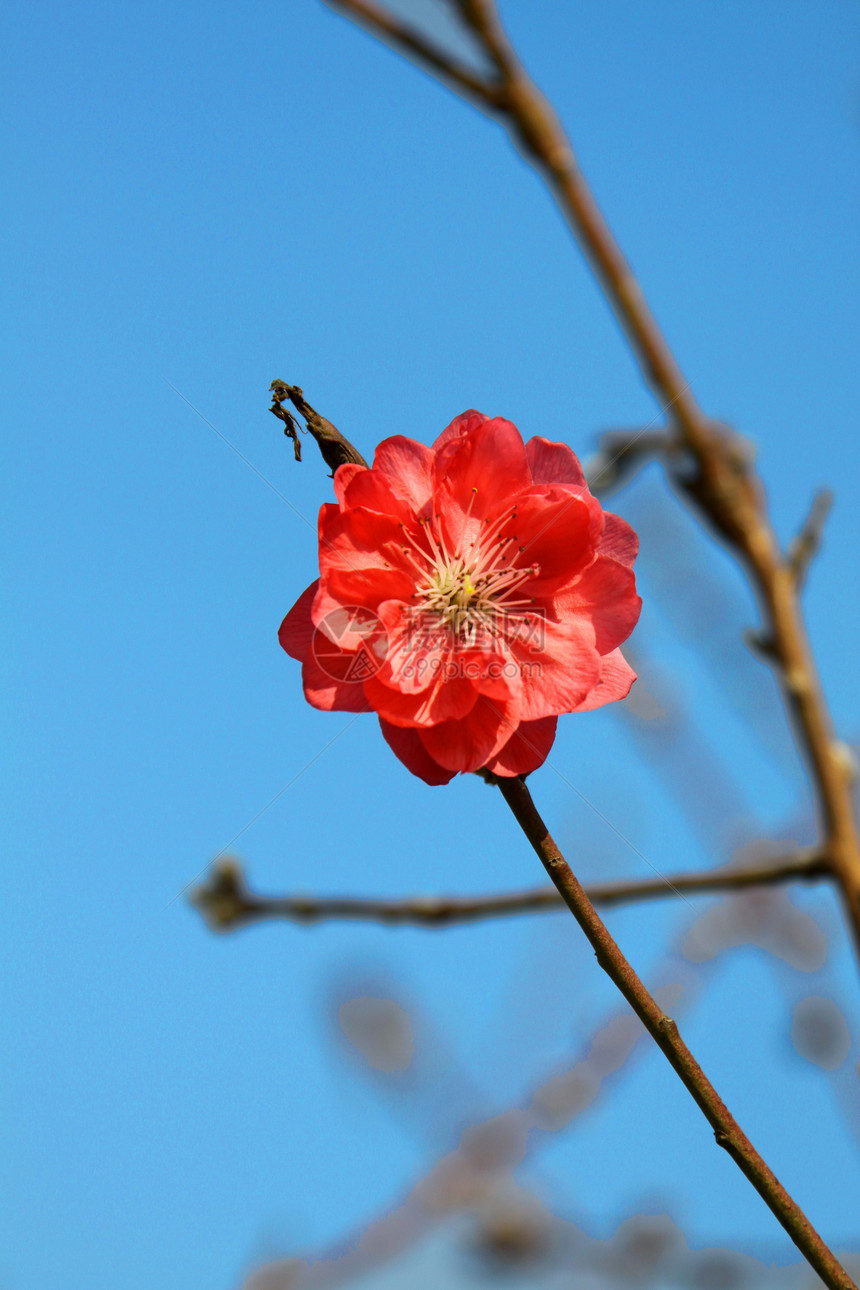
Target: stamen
(472, 592)
(485, 537)
(416, 547)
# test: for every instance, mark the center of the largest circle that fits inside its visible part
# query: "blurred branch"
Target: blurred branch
(465, 1178)
(804, 548)
(666, 1035)
(335, 447)
(227, 903)
(722, 483)
(620, 453)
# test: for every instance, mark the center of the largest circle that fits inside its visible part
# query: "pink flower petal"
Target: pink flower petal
(362, 560)
(297, 628)
(417, 650)
(618, 540)
(559, 667)
(438, 701)
(406, 745)
(479, 475)
(616, 678)
(469, 743)
(554, 463)
(550, 530)
(330, 694)
(374, 491)
(368, 587)
(604, 594)
(348, 627)
(421, 655)
(408, 466)
(359, 538)
(527, 748)
(343, 477)
(492, 669)
(460, 426)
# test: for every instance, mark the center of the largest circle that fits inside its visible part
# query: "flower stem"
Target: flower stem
(664, 1031)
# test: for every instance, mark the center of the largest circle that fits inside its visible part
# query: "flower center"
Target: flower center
(471, 592)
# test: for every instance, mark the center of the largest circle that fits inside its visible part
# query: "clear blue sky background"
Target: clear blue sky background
(216, 195)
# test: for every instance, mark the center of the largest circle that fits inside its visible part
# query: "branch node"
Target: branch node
(224, 899)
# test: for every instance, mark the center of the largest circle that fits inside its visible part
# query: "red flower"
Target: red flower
(468, 594)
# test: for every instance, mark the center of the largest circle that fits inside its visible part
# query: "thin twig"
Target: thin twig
(401, 35)
(227, 903)
(804, 548)
(723, 485)
(664, 1031)
(335, 448)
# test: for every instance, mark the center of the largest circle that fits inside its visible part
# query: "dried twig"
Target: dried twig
(335, 447)
(664, 1031)
(227, 903)
(723, 486)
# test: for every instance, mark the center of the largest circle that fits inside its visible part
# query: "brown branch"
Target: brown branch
(664, 1031)
(227, 903)
(335, 447)
(724, 485)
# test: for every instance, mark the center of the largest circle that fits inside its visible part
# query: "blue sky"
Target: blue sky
(215, 196)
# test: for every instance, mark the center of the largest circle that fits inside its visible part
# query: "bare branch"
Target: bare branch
(335, 447)
(227, 903)
(804, 548)
(666, 1035)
